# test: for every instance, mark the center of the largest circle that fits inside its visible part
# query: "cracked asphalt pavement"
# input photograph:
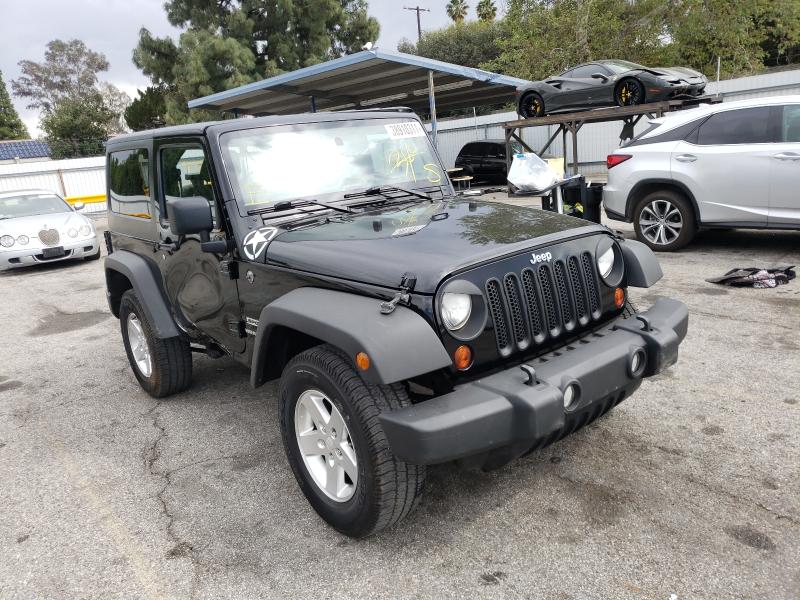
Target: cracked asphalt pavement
(689, 489)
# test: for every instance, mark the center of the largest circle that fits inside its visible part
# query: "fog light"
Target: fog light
(637, 363)
(570, 395)
(462, 358)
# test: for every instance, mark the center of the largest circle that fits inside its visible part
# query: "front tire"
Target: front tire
(161, 366)
(531, 106)
(336, 446)
(664, 220)
(629, 92)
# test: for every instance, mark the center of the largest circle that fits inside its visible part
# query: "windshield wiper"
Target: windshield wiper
(296, 204)
(385, 190)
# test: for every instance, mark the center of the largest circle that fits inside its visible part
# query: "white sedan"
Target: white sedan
(38, 226)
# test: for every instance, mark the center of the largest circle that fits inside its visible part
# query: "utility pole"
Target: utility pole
(418, 10)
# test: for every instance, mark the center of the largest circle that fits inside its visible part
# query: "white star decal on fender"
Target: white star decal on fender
(256, 241)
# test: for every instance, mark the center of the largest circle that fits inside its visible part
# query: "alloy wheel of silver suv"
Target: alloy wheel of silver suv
(664, 220)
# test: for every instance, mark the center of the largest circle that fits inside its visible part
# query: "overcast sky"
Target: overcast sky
(112, 27)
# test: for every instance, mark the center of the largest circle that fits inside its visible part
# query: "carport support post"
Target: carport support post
(313, 104)
(432, 105)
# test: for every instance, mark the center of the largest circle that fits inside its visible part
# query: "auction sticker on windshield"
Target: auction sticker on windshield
(406, 129)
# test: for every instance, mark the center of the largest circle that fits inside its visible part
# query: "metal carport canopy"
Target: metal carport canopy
(368, 79)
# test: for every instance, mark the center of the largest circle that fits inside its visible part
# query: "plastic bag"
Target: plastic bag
(529, 173)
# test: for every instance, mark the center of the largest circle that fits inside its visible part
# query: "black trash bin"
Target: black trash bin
(573, 195)
(591, 206)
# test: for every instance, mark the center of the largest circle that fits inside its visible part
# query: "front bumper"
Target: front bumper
(31, 254)
(502, 416)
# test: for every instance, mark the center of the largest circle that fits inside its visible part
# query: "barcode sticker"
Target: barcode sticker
(406, 129)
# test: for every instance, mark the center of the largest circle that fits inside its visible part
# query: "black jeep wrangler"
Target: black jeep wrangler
(408, 326)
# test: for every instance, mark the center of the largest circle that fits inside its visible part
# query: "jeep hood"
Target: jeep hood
(429, 240)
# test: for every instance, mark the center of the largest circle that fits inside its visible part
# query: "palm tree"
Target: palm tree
(487, 11)
(457, 10)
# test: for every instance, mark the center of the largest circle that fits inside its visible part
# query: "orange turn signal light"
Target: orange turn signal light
(362, 361)
(619, 297)
(462, 358)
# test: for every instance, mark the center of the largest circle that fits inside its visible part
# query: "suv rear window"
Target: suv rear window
(790, 127)
(742, 126)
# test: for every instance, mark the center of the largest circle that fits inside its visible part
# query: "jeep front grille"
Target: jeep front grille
(49, 237)
(543, 302)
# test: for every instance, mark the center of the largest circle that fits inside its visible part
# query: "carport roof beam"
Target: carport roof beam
(368, 79)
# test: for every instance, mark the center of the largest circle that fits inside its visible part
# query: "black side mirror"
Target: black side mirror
(599, 76)
(190, 215)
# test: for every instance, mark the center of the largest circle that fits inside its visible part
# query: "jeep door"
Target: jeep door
(197, 283)
(784, 195)
(725, 163)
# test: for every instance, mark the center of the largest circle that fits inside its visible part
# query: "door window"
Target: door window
(185, 172)
(584, 72)
(790, 125)
(743, 126)
(129, 183)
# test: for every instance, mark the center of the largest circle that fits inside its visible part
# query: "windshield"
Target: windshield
(327, 160)
(620, 66)
(31, 204)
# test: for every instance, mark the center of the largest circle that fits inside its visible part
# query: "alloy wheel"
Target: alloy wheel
(326, 445)
(139, 347)
(629, 93)
(661, 222)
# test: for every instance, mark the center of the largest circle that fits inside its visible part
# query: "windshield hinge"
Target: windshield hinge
(407, 284)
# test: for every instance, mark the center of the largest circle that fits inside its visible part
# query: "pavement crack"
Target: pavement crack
(152, 454)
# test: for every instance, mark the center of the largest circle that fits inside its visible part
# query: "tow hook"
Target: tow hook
(530, 372)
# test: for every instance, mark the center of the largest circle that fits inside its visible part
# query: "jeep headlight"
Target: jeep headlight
(610, 263)
(455, 309)
(605, 262)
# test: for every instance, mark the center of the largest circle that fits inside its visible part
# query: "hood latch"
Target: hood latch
(407, 284)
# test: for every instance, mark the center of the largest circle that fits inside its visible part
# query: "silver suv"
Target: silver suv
(729, 165)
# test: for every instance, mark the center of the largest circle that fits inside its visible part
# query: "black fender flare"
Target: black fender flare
(146, 282)
(400, 345)
(641, 264)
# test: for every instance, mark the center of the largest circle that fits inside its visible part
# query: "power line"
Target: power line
(418, 10)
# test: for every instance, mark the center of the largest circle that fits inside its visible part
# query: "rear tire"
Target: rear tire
(664, 220)
(371, 488)
(531, 106)
(161, 366)
(629, 92)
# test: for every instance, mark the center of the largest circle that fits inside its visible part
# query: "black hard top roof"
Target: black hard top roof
(248, 123)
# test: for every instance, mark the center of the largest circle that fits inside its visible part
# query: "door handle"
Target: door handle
(787, 156)
(687, 158)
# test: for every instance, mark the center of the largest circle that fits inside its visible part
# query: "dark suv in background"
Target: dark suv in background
(485, 160)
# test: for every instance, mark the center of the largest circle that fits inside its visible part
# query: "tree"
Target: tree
(11, 126)
(457, 10)
(77, 127)
(487, 11)
(232, 42)
(116, 101)
(540, 38)
(148, 111)
(743, 34)
(69, 70)
(470, 44)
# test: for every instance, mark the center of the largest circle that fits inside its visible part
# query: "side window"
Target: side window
(743, 126)
(790, 125)
(129, 183)
(567, 73)
(584, 72)
(185, 172)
